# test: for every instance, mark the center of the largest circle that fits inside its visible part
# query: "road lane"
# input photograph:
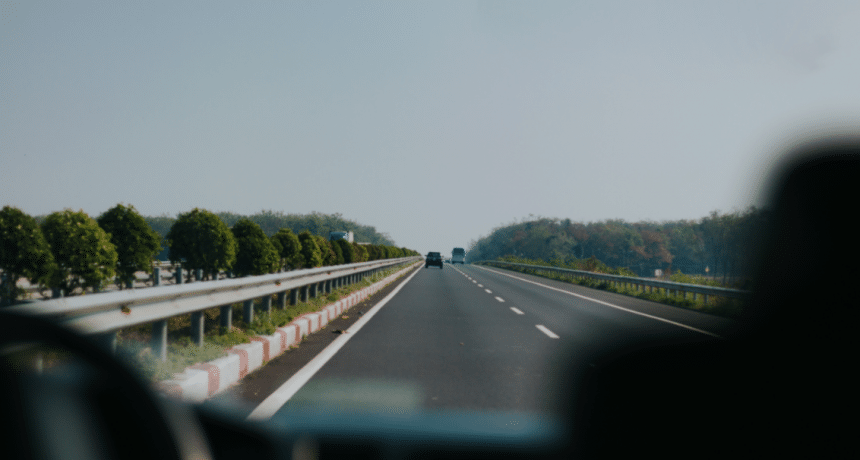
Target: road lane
(444, 342)
(452, 342)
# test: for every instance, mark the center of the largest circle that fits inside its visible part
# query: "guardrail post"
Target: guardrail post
(226, 317)
(706, 298)
(328, 286)
(305, 293)
(156, 276)
(248, 311)
(197, 323)
(215, 275)
(178, 274)
(198, 274)
(267, 305)
(282, 300)
(294, 296)
(159, 339)
(57, 293)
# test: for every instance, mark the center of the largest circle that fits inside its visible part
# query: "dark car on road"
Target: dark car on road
(433, 258)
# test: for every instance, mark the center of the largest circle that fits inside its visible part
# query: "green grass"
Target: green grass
(720, 306)
(133, 344)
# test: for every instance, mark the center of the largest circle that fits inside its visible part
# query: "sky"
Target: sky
(434, 122)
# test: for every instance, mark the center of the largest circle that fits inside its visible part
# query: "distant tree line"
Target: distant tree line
(72, 252)
(718, 245)
(271, 222)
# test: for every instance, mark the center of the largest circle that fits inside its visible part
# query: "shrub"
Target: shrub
(203, 241)
(311, 253)
(136, 243)
(256, 255)
(84, 255)
(289, 248)
(24, 252)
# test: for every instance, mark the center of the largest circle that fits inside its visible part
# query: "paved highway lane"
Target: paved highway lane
(469, 337)
(451, 343)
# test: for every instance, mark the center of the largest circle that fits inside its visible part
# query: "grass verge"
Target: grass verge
(133, 344)
(719, 306)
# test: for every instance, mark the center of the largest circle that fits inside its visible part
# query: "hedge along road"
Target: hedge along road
(460, 338)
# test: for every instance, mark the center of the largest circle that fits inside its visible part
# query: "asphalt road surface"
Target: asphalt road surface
(464, 337)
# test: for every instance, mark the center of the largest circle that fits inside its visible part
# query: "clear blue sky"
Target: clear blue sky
(432, 121)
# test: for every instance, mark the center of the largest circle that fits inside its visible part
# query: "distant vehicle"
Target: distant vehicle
(348, 236)
(433, 258)
(458, 256)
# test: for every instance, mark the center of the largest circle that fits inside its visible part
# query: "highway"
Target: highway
(465, 338)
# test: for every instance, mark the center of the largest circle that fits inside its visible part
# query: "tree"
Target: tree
(135, 241)
(200, 240)
(329, 257)
(256, 253)
(289, 248)
(24, 252)
(311, 253)
(346, 250)
(359, 252)
(84, 255)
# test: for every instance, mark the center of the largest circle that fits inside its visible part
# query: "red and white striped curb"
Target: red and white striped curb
(201, 381)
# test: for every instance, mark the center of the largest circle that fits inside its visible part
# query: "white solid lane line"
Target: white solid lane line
(517, 311)
(546, 331)
(276, 400)
(607, 304)
(500, 299)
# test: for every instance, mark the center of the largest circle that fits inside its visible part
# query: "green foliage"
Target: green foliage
(84, 254)
(347, 250)
(721, 242)
(316, 223)
(256, 254)
(24, 252)
(136, 243)
(289, 248)
(203, 240)
(359, 252)
(338, 252)
(311, 253)
(326, 252)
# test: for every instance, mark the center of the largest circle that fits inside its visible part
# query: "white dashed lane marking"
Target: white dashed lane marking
(546, 331)
(488, 291)
(517, 311)
(500, 299)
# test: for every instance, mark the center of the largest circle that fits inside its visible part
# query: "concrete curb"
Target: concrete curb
(201, 381)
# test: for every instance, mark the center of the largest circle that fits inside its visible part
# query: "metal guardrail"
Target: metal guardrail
(637, 283)
(107, 312)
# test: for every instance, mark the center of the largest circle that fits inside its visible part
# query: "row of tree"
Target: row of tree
(272, 222)
(70, 251)
(717, 245)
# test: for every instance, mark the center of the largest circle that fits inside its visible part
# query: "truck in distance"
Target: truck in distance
(458, 256)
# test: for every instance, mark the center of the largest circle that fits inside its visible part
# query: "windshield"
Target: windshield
(621, 139)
